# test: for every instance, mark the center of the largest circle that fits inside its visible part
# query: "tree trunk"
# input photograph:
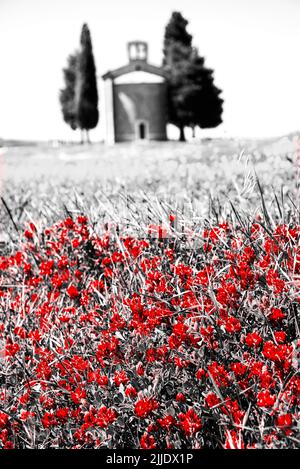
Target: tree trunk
(194, 132)
(82, 136)
(182, 135)
(87, 136)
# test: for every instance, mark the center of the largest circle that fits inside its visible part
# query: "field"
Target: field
(150, 296)
(32, 177)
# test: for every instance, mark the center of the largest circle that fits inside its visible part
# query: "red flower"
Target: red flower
(144, 407)
(105, 417)
(140, 369)
(130, 391)
(28, 234)
(180, 397)
(219, 374)
(212, 399)
(232, 325)
(276, 314)
(43, 370)
(120, 378)
(24, 398)
(69, 223)
(253, 339)
(238, 369)
(62, 413)
(11, 349)
(9, 445)
(102, 380)
(190, 422)
(72, 291)
(280, 336)
(20, 331)
(200, 373)
(25, 415)
(265, 399)
(82, 219)
(167, 422)
(3, 419)
(277, 353)
(147, 441)
(49, 420)
(77, 395)
(284, 421)
(46, 268)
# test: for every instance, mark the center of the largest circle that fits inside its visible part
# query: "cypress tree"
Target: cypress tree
(177, 49)
(67, 95)
(193, 99)
(86, 95)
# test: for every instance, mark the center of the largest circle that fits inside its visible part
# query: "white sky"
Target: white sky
(253, 46)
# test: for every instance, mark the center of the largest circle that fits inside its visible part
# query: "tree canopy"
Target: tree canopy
(193, 99)
(79, 98)
(86, 93)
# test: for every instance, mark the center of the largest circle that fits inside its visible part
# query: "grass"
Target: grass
(41, 181)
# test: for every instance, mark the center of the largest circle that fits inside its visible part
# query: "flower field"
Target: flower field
(158, 331)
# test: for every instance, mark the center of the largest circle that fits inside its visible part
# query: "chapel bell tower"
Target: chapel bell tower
(137, 50)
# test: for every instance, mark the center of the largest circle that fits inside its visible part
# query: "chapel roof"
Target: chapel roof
(133, 66)
(137, 55)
